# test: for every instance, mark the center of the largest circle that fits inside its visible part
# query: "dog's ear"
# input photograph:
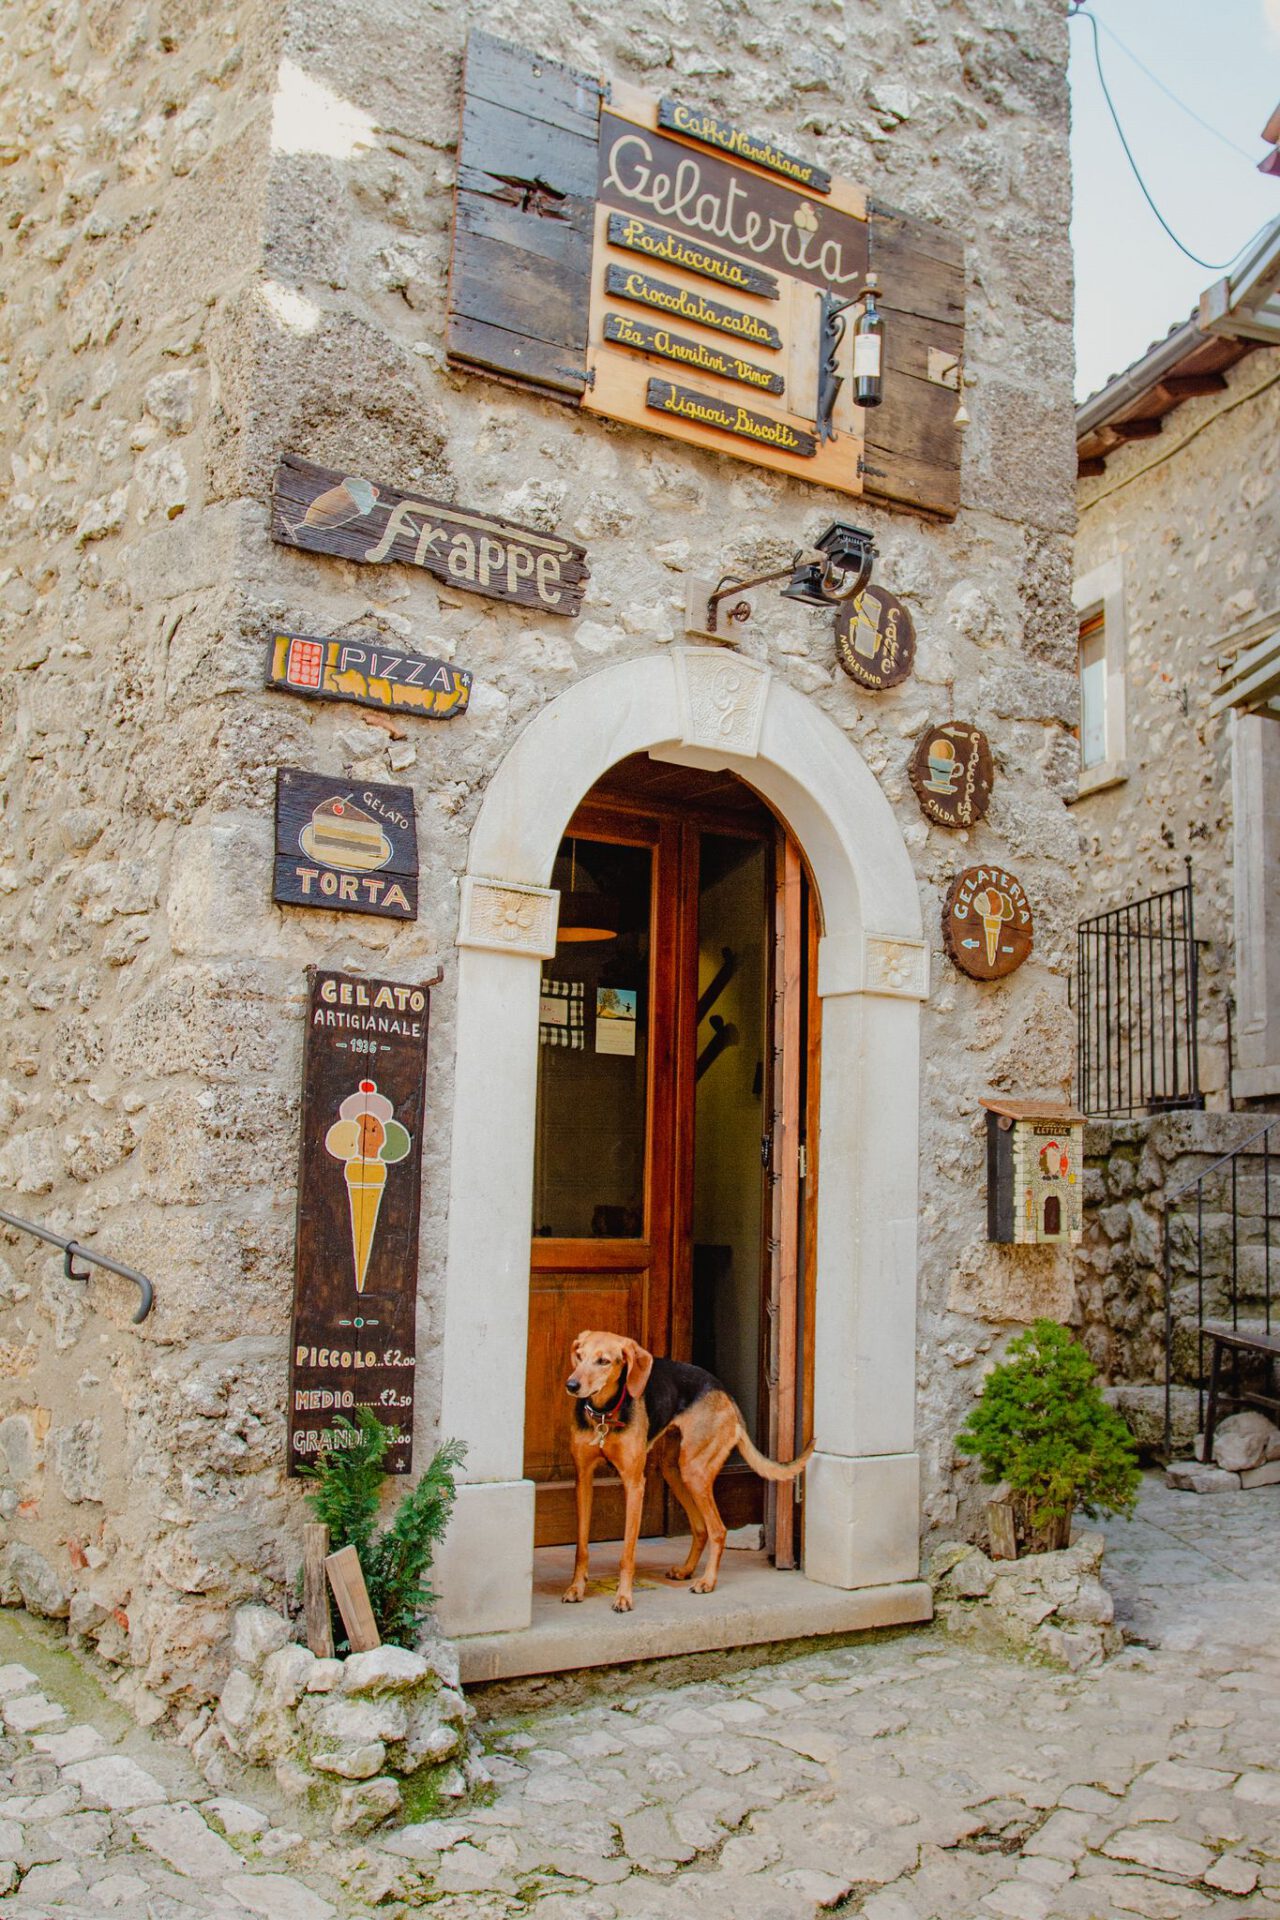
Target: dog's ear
(639, 1367)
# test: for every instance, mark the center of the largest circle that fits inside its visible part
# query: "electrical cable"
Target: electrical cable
(1169, 94)
(1079, 10)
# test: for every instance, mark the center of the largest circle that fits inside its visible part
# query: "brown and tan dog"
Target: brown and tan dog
(626, 1401)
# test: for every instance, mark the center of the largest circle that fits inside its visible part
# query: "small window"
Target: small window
(1093, 691)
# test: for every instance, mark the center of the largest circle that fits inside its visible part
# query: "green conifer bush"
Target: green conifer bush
(396, 1561)
(1043, 1426)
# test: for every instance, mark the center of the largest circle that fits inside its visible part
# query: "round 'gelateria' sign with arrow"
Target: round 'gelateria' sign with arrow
(986, 922)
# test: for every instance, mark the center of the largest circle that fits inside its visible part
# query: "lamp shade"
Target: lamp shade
(584, 916)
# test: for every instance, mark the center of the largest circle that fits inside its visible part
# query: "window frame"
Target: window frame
(1101, 592)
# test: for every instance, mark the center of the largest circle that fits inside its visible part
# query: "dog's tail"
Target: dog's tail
(770, 1469)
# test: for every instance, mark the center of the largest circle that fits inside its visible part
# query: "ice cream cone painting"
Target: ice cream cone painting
(367, 1139)
(986, 922)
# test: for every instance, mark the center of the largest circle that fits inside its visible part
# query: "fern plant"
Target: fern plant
(396, 1561)
(1043, 1426)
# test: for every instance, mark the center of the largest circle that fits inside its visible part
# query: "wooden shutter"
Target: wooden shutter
(520, 277)
(913, 443)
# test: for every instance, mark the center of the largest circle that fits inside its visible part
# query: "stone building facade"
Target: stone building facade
(227, 236)
(1178, 553)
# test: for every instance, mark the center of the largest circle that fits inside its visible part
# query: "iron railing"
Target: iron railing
(1137, 1006)
(1218, 1236)
(73, 1251)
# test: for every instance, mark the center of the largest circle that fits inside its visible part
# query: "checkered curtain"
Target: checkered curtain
(570, 1030)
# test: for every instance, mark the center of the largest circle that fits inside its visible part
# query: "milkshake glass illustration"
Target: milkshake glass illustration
(943, 768)
(367, 1140)
(994, 908)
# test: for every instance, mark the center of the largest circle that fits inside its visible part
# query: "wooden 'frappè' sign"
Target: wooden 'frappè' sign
(952, 773)
(875, 639)
(986, 922)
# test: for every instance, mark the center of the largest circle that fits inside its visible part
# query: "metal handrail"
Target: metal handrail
(1246, 1146)
(72, 1248)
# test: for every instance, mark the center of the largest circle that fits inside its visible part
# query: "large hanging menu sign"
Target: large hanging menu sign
(746, 250)
(355, 1285)
(649, 261)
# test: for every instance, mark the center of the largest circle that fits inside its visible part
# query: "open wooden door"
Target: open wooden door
(669, 1199)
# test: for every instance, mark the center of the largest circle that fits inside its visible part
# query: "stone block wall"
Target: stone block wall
(1197, 533)
(228, 236)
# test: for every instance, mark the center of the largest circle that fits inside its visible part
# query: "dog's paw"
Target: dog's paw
(623, 1603)
(676, 1573)
(703, 1586)
(572, 1595)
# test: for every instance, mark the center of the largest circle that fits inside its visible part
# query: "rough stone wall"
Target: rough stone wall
(1198, 534)
(153, 1012)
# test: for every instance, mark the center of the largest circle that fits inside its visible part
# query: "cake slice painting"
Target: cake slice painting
(347, 847)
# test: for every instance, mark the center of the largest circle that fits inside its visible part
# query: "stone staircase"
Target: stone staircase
(1187, 1200)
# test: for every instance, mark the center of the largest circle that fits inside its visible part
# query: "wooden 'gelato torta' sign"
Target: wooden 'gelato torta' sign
(345, 845)
(324, 511)
(875, 639)
(986, 922)
(952, 773)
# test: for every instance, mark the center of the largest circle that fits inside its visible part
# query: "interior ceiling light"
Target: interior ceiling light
(585, 913)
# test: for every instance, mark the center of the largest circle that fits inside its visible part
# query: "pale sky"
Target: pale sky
(1222, 58)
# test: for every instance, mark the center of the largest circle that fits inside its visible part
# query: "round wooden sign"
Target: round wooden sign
(952, 773)
(986, 923)
(875, 639)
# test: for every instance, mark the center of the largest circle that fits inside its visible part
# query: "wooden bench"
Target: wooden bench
(1234, 1340)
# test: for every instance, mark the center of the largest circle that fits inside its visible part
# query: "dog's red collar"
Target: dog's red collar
(607, 1420)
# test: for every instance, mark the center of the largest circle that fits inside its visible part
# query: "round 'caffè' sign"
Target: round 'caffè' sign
(875, 639)
(952, 773)
(986, 922)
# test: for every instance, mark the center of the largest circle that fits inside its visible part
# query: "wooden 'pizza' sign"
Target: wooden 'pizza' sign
(345, 845)
(368, 673)
(323, 511)
(875, 639)
(601, 234)
(986, 923)
(952, 773)
(355, 1286)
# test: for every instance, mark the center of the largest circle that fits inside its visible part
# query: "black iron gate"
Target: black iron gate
(1136, 1006)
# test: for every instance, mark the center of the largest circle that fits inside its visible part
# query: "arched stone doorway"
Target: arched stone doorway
(715, 710)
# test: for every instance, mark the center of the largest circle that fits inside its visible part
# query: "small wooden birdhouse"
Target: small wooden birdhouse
(1035, 1172)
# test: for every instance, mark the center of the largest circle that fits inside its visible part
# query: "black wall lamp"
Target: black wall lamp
(837, 568)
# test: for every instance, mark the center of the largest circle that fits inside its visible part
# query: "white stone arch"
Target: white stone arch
(706, 708)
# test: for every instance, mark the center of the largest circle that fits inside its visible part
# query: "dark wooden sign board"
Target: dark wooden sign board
(353, 1342)
(366, 672)
(349, 846)
(625, 331)
(324, 511)
(986, 922)
(726, 416)
(875, 639)
(711, 132)
(629, 283)
(557, 189)
(658, 243)
(952, 773)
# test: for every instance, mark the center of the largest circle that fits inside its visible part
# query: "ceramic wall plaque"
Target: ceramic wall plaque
(952, 773)
(986, 922)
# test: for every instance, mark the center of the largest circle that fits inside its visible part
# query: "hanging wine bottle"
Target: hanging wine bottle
(868, 349)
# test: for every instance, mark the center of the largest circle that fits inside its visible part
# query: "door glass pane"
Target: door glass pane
(593, 1052)
(729, 1116)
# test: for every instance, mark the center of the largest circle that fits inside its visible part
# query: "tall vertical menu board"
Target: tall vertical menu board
(646, 260)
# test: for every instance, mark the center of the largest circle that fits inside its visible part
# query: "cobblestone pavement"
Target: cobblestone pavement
(901, 1779)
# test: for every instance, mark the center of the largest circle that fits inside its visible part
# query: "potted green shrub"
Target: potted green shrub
(1043, 1428)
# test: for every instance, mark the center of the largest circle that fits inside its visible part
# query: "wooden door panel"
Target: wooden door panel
(563, 1301)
